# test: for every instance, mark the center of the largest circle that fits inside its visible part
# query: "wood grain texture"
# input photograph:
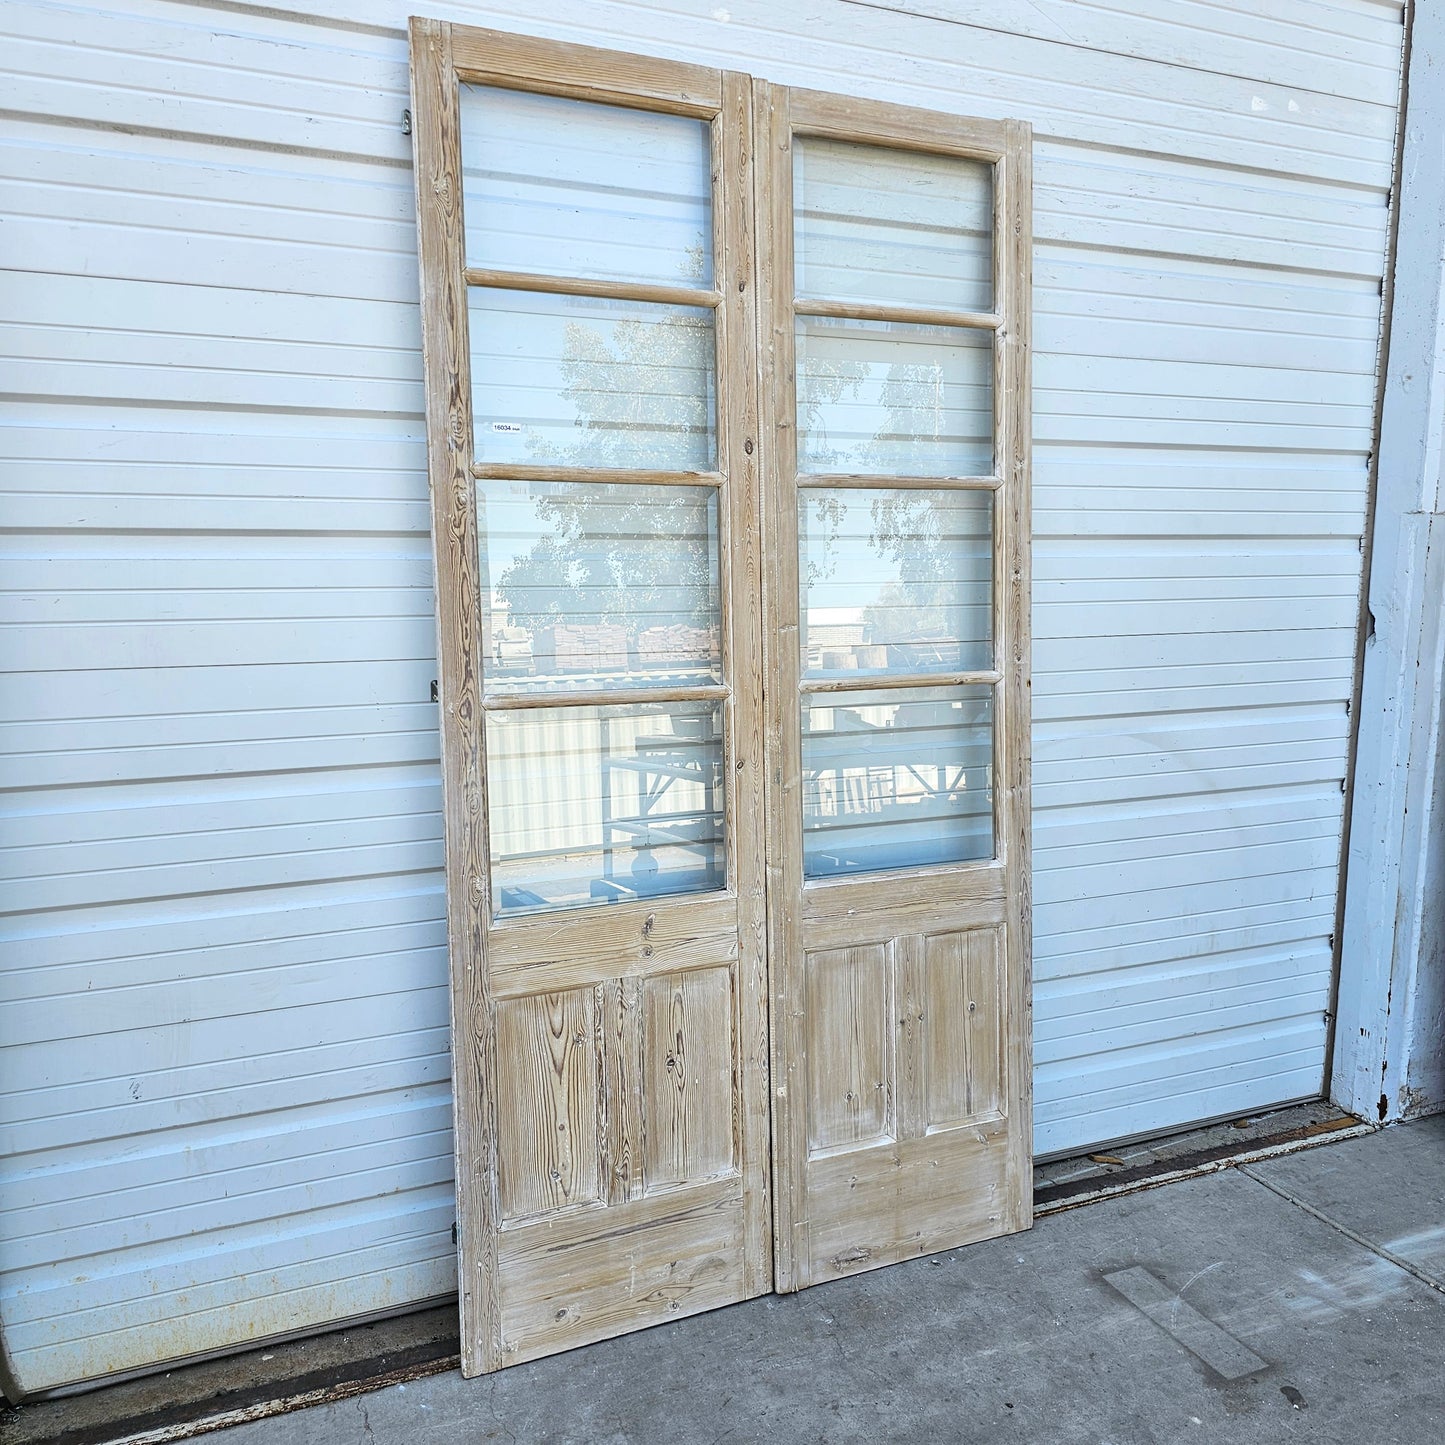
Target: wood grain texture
(549, 1156)
(900, 1056)
(614, 476)
(437, 142)
(687, 1050)
(740, 453)
(874, 122)
(907, 1198)
(512, 700)
(928, 891)
(626, 1046)
(850, 1047)
(870, 481)
(908, 315)
(635, 1044)
(592, 286)
(584, 72)
(850, 928)
(912, 1017)
(773, 189)
(963, 1034)
(620, 1095)
(891, 681)
(627, 940)
(574, 1280)
(1016, 555)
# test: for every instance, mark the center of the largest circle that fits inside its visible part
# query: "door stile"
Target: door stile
(458, 597)
(780, 631)
(742, 588)
(1015, 269)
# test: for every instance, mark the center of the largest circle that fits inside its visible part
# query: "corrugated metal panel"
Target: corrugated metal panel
(226, 1113)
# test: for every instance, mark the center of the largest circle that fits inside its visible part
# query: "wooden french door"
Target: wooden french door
(895, 338)
(628, 945)
(588, 323)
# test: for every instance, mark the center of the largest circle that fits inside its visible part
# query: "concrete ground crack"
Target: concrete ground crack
(1377, 1249)
(501, 1424)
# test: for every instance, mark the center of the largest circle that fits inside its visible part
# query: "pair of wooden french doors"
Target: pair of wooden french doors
(727, 408)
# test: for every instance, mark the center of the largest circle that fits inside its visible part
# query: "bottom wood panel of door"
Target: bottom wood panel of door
(629, 1144)
(913, 1140)
(573, 1282)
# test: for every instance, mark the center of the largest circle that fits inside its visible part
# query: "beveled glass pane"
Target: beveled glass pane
(888, 399)
(592, 805)
(576, 381)
(896, 779)
(895, 581)
(892, 226)
(573, 188)
(588, 585)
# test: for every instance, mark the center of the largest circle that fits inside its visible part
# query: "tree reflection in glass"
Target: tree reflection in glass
(896, 581)
(609, 581)
(887, 398)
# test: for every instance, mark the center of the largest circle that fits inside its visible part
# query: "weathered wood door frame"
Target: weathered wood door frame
(634, 1255)
(928, 1182)
(533, 1286)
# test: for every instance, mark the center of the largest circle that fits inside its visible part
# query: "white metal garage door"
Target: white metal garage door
(226, 1111)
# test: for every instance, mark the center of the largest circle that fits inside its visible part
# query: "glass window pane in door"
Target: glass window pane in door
(895, 581)
(892, 226)
(594, 805)
(898, 778)
(582, 382)
(573, 188)
(885, 398)
(588, 585)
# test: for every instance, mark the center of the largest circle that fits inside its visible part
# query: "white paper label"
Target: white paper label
(506, 426)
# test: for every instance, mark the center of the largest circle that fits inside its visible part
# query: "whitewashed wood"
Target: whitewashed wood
(901, 1061)
(594, 1077)
(484, 1197)
(253, 183)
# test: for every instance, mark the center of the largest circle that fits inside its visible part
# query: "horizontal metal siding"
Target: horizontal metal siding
(227, 1111)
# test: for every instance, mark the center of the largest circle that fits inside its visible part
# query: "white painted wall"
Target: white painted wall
(1390, 1059)
(227, 1108)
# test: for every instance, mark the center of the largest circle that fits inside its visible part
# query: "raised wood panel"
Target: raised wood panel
(963, 1026)
(850, 1063)
(547, 1076)
(687, 1072)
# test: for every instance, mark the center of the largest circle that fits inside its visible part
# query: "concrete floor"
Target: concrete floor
(1299, 1299)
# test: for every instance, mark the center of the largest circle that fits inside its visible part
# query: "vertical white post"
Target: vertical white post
(1390, 1034)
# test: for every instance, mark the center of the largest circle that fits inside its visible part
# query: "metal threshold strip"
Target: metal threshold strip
(1106, 1173)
